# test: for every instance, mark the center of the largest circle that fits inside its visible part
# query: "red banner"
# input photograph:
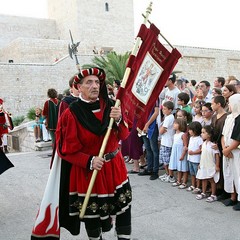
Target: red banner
(150, 70)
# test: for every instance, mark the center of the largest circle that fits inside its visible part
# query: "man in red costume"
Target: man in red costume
(79, 136)
(5, 124)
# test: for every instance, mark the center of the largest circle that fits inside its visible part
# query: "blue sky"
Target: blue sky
(205, 23)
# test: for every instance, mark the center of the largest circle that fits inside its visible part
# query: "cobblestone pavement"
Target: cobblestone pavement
(159, 211)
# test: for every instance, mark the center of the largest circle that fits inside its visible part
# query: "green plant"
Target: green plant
(31, 113)
(18, 120)
(113, 64)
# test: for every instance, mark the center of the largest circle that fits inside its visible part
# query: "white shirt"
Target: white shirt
(209, 97)
(195, 144)
(172, 96)
(167, 137)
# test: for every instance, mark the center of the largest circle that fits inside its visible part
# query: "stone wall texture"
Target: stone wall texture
(39, 49)
(93, 25)
(12, 27)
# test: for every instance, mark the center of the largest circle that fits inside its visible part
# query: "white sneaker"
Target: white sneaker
(163, 176)
(172, 180)
(166, 179)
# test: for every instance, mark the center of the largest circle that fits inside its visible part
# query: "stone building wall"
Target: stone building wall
(34, 50)
(207, 64)
(12, 27)
(25, 85)
(93, 25)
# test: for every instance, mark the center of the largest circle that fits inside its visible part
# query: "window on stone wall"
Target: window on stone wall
(106, 7)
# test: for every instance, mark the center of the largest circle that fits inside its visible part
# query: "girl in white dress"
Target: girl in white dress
(209, 164)
(178, 159)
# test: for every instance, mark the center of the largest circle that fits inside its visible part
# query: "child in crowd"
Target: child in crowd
(218, 120)
(207, 113)
(37, 127)
(184, 115)
(178, 159)
(194, 154)
(183, 100)
(197, 108)
(167, 132)
(209, 165)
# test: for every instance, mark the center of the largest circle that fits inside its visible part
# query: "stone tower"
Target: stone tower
(106, 24)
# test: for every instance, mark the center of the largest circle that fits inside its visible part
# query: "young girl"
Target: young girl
(197, 108)
(194, 154)
(37, 127)
(184, 115)
(207, 113)
(209, 164)
(178, 159)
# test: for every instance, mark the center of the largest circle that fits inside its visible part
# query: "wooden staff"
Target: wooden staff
(161, 35)
(117, 104)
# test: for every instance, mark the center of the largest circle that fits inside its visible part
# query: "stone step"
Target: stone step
(22, 139)
(42, 146)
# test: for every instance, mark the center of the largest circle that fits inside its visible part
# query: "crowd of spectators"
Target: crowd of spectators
(198, 139)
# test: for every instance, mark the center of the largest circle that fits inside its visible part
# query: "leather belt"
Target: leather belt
(109, 156)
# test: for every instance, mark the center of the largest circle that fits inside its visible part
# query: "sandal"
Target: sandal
(131, 161)
(183, 186)
(211, 199)
(190, 189)
(176, 184)
(201, 196)
(196, 191)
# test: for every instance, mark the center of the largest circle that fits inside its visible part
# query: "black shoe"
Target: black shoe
(145, 173)
(154, 176)
(237, 206)
(229, 202)
(133, 172)
(143, 166)
(223, 196)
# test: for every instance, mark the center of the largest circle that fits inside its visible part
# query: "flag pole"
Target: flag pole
(117, 104)
(161, 35)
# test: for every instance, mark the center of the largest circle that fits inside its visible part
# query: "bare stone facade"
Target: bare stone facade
(39, 49)
(207, 64)
(107, 24)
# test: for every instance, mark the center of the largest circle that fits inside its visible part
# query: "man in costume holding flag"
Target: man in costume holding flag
(81, 133)
(79, 136)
